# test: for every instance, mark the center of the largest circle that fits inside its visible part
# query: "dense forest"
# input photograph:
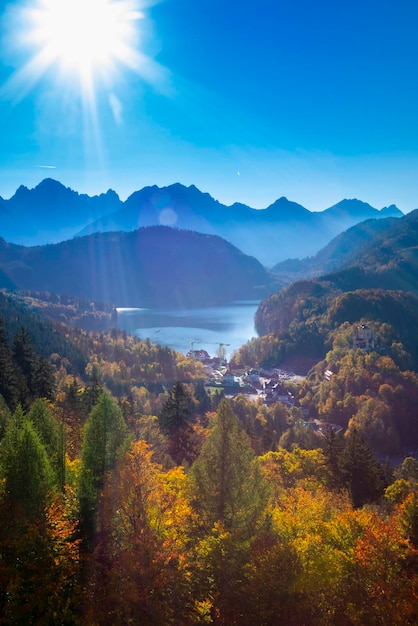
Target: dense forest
(131, 493)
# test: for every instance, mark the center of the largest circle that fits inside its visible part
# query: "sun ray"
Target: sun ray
(84, 43)
(79, 53)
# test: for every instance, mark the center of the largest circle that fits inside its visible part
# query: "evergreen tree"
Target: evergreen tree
(8, 374)
(5, 417)
(333, 453)
(174, 420)
(202, 397)
(29, 478)
(72, 400)
(363, 476)
(51, 434)
(93, 390)
(25, 358)
(105, 439)
(175, 414)
(43, 379)
(230, 497)
(228, 486)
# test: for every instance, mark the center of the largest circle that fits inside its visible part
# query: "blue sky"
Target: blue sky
(249, 101)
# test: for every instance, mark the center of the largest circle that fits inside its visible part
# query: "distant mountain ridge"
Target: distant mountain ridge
(345, 249)
(155, 266)
(50, 213)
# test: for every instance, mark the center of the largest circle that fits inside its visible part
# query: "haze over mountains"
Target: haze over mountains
(150, 267)
(50, 213)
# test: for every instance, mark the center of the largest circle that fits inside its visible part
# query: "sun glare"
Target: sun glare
(84, 36)
(74, 55)
(82, 43)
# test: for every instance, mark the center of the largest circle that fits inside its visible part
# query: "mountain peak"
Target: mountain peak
(391, 211)
(352, 206)
(50, 183)
(287, 208)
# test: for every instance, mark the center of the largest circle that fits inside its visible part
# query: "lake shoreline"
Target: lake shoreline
(182, 329)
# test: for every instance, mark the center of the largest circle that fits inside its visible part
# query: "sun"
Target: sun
(78, 62)
(82, 44)
(86, 38)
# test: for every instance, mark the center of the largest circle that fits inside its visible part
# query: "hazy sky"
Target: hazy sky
(249, 100)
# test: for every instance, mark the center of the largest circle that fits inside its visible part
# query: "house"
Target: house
(363, 338)
(199, 355)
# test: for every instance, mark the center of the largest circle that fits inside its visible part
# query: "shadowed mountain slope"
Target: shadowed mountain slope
(155, 266)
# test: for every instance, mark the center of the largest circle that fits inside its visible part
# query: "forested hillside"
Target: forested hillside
(344, 250)
(154, 267)
(131, 494)
(378, 278)
(384, 249)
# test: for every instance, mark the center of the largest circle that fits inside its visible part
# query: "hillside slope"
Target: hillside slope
(379, 282)
(151, 267)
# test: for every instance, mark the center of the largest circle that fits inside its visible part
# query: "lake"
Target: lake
(202, 329)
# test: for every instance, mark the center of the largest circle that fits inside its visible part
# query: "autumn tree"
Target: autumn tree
(139, 571)
(39, 568)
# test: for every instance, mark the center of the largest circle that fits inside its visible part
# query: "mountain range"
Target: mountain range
(51, 213)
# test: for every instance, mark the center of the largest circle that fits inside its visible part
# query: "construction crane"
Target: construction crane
(221, 350)
(192, 345)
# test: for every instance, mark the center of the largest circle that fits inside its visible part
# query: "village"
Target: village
(255, 383)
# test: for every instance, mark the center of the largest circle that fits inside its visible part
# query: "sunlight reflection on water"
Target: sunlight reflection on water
(205, 328)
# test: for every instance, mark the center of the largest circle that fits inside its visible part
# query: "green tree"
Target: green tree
(227, 481)
(333, 448)
(409, 469)
(5, 416)
(230, 496)
(105, 440)
(409, 518)
(8, 374)
(174, 419)
(29, 477)
(364, 476)
(202, 397)
(43, 379)
(25, 358)
(176, 413)
(93, 389)
(51, 434)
